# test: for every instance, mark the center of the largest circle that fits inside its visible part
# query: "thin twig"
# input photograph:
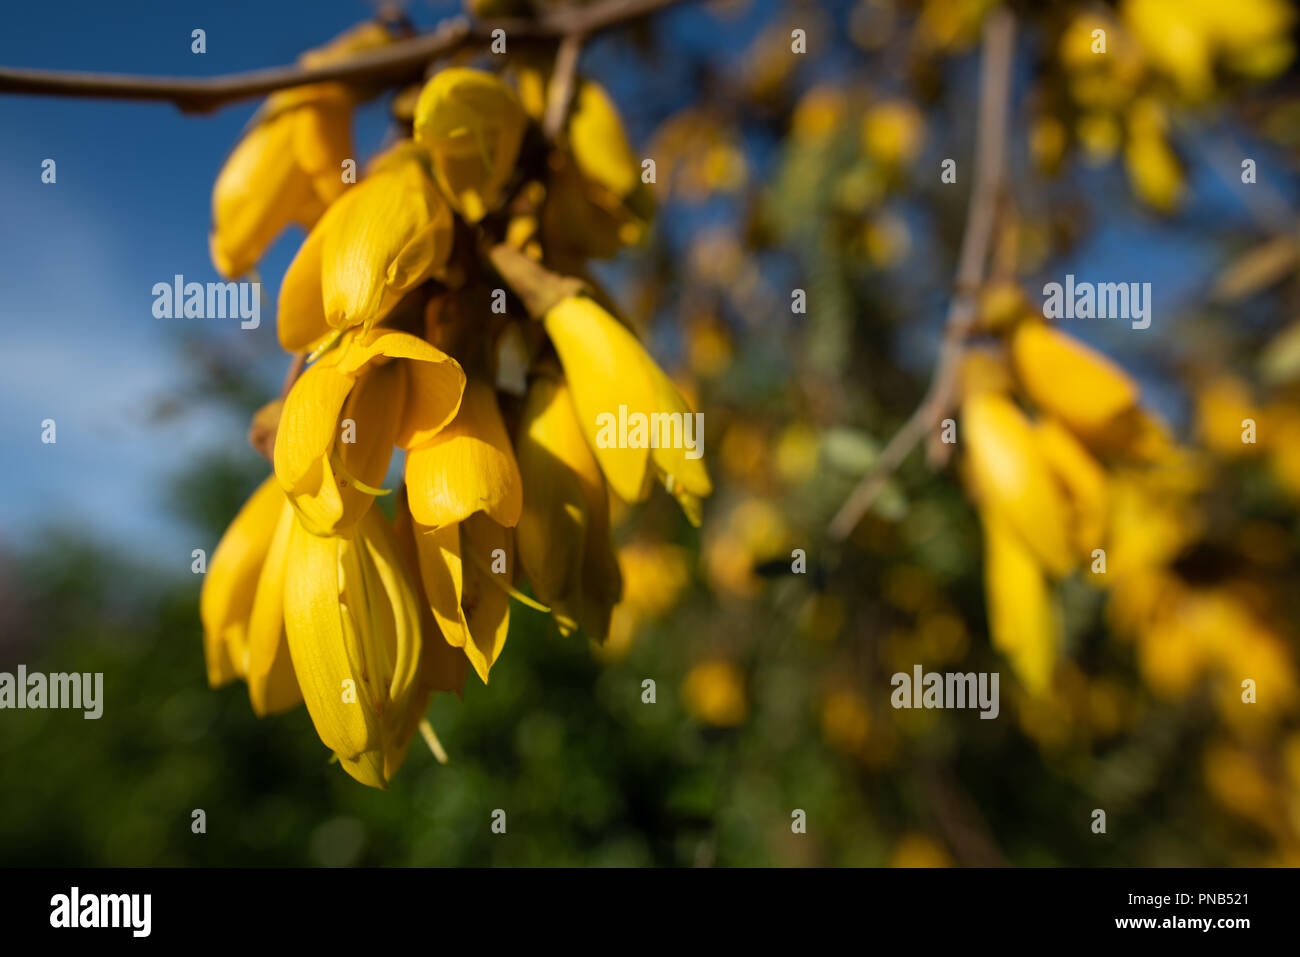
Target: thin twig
(560, 91)
(401, 61)
(989, 173)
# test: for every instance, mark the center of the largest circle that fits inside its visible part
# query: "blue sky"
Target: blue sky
(78, 258)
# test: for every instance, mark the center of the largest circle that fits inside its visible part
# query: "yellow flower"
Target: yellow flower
(390, 233)
(598, 142)
(1222, 406)
(343, 416)
(714, 693)
(1012, 479)
(353, 623)
(1078, 385)
(563, 534)
(465, 494)
(472, 124)
(892, 132)
(1153, 168)
(1023, 619)
(443, 666)
(1182, 38)
(467, 467)
(241, 604)
(610, 375)
(288, 168)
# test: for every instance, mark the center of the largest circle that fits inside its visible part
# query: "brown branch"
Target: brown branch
(981, 216)
(560, 91)
(399, 62)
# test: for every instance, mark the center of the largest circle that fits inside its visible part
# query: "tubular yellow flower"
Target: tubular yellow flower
(287, 168)
(458, 567)
(390, 233)
(353, 624)
(241, 603)
(472, 124)
(465, 493)
(466, 467)
(443, 667)
(1078, 385)
(343, 416)
(1023, 620)
(610, 374)
(563, 534)
(1012, 478)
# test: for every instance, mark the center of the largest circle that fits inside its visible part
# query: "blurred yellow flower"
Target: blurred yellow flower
(714, 693)
(917, 850)
(893, 132)
(1013, 481)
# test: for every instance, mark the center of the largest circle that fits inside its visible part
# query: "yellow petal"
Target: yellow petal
(1011, 478)
(598, 143)
(486, 605)
(472, 611)
(435, 381)
(467, 467)
(300, 316)
(389, 233)
(472, 124)
(230, 586)
(443, 666)
(443, 574)
(605, 367)
(322, 140)
(554, 463)
(386, 577)
(309, 425)
(1078, 385)
(1023, 620)
(368, 419)
(682, 468)
(272, 683)
(259, 191)
(325, 654)
(1083, 479)
(563, 533)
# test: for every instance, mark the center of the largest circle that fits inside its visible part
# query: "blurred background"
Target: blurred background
(776, 171)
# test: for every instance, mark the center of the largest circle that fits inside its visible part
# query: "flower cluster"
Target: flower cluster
(443, 309)
(1127, 77)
